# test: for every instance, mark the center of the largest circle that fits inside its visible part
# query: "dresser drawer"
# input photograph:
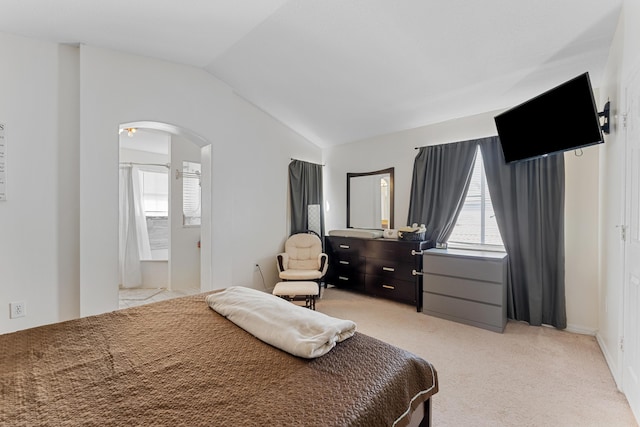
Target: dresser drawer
(348, 279)
(347, 261)
(474, 313)
(487, 292)
(399, 290)
(393, 250)
(466, 286)
(476, 269)
(343, 245)
(390, 269)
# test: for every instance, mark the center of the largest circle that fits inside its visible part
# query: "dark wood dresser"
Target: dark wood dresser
(382, 267)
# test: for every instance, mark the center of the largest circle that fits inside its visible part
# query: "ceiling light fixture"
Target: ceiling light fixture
(130, 131)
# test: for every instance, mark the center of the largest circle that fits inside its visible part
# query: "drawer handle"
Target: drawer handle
(343, 278)
(388, 269)
(344, 262)
(417, 273)
(345, 246)
(388, 287)
(414, 252)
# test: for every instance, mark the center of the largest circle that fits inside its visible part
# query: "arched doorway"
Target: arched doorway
(177, 235)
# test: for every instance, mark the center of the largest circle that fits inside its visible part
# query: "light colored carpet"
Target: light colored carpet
(527, 376)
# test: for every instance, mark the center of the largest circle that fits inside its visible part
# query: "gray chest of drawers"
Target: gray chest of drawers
(466, 286)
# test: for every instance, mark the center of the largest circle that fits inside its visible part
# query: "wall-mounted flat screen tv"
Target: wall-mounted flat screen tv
(560, 119)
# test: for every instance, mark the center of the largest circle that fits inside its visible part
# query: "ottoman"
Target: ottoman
(298, 290)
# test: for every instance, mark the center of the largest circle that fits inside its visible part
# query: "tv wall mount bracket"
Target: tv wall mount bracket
(604, 125)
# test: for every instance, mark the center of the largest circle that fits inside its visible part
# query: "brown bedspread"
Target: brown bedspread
(178, 363)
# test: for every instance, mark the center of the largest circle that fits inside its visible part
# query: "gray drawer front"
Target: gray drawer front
(491, 293)
(476, 269)
(464, 310)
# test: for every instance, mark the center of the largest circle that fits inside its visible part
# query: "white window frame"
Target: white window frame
(191, 180)
(143, 172)
(484, 195)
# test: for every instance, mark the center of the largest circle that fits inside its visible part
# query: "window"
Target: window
(155, 193)
(476, 225)
(384, 201)
(191, 194)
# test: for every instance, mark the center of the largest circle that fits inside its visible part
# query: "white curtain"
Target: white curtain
(134, 237)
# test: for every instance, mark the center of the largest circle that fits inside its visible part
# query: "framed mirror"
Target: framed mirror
(370, 199)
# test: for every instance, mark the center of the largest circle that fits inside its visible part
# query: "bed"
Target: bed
(179, 363)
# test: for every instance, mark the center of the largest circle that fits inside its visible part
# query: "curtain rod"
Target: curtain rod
(166, 165)
(455, 142)
(321, 164)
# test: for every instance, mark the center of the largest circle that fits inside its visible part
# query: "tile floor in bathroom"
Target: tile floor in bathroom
(132, 297)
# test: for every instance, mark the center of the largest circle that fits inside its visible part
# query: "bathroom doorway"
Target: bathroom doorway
(160, 213)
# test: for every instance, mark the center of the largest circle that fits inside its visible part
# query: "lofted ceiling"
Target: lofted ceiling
(338, 71)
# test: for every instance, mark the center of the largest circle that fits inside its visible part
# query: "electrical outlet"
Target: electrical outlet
(18, 309)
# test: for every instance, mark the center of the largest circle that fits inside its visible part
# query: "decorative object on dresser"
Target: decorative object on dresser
(467, 287)
(382, 267)
(414, 232)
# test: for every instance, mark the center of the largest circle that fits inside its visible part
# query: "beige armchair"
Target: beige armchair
(302, 259)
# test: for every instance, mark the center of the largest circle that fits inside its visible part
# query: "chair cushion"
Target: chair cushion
(300, 274)
(303, 250)
(296, 288)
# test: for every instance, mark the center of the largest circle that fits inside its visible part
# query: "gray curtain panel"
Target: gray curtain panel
(528, 201)
(305, 187)
(441, 176)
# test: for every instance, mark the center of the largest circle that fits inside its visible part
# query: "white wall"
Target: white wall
(137, 156)
(581, 216)
(250, 153)
(184, 255)
(397, 150)
(58, 230)
(68, 186)
(37, 221)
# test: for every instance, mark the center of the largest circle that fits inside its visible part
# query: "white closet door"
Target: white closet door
(631, 337)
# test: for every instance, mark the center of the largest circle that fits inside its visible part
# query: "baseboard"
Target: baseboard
(608, 360)
(577, 329)
(614, 373)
